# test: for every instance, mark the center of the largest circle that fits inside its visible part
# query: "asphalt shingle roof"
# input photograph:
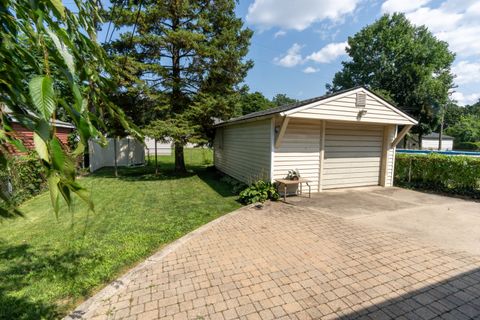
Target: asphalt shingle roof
(436, 136)
(286, 107)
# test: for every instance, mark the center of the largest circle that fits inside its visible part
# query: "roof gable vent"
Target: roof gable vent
(361, 101)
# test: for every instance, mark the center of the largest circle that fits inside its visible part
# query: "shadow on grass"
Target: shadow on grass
(207, 174)
(457, 297)
(21, 264)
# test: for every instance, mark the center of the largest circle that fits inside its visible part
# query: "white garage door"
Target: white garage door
(353, 155)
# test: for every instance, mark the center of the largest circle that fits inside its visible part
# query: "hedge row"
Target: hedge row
(24, 178)
(471, 146)
(451, 174)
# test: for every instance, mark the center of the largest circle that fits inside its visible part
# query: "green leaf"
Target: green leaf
(41, 147)
(53, 181)
(79, 150)
(59, 7)
(63, 50)
(42, 127)
(3, 160)
(43, 95)
(58, 156)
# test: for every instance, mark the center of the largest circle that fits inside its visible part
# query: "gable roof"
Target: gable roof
(57, 123)
(294, 107)
(436, 135)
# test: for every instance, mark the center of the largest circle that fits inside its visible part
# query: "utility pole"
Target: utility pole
(440, 134)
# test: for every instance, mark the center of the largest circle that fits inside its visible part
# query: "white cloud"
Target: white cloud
(279, 33)
(464, 99)
(474, 10)
(390, 6)
(467, 72)
(329, 53)
(453, 21)
(292, 58)
(310, 70)
(297, 15)
(462, 40)
(436, 20)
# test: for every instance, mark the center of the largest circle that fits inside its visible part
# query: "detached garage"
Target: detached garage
(345, 139)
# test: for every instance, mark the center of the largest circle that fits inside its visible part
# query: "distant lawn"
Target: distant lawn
(47, 266)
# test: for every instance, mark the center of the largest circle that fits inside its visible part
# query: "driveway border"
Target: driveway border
(84, 310)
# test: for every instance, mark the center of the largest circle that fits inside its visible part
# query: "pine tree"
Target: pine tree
(191, 57)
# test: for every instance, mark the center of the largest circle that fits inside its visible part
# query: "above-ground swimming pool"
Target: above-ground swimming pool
(448, 153)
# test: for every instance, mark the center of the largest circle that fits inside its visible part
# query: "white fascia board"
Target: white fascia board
(409, 119)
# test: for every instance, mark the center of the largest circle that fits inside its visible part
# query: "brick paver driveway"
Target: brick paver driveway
(293, 262)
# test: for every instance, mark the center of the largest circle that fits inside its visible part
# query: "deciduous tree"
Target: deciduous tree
(404, 60)
(281, 99)
(69, 56)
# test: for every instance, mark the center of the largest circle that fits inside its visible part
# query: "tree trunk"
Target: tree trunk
(440, 135)
(176, 101)
(156, 160)
(179, 158)
(115, 155)
(420, 136)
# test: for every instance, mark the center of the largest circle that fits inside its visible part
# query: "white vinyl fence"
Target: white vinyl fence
(130, 152)
(163, 148)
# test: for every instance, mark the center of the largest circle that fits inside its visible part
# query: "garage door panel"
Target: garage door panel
(347, 164)
(352, 156)
(349, 143)
(359, 138)
(347, 184)
(353, 133)
(352, 171)
(354, 148)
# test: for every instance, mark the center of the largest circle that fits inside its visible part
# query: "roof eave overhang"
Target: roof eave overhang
(409, 120)
(229, 122)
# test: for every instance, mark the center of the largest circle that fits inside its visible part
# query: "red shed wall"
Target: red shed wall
(27, 136)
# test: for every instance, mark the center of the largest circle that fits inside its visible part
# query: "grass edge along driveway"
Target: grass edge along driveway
(48, 266)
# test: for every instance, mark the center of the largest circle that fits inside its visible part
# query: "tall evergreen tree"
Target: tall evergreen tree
(191, 56)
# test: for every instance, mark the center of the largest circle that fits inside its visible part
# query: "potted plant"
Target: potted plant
(293, 174)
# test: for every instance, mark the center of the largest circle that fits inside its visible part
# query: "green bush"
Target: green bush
(259, 191)
(26, 177)
(472, 146)
(451, 174)
(237, 186)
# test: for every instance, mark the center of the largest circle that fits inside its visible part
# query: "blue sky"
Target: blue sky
(298, 45)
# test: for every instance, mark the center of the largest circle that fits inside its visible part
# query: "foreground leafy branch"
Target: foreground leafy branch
(70, 55)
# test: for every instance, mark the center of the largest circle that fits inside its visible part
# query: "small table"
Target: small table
(287, 182)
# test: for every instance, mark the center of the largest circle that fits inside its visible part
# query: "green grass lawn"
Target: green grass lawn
(47, 266)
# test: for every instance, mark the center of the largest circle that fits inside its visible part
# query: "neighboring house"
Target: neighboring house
(345, 139)
(163, 148)
(430, 142)
(62, 131)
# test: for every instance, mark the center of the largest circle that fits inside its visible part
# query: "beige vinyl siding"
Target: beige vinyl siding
(352, 155)
(390, 159)
(344, 109)
(299, 149)
(243, 150)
